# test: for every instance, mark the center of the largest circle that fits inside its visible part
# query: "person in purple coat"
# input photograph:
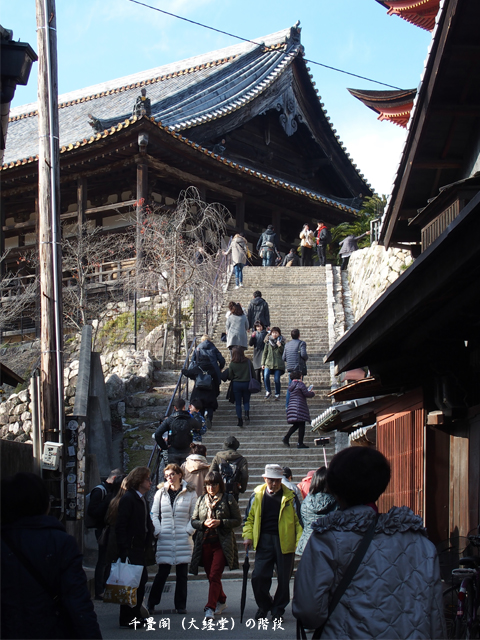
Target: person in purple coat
(297, 410)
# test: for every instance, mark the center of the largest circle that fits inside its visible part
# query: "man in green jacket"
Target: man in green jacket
(273, 529)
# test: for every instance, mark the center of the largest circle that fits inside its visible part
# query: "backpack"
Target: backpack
(230, 472)
(180, 437)
(90, 521)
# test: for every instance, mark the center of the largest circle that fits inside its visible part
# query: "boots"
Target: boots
(247, 417)
(240, 422)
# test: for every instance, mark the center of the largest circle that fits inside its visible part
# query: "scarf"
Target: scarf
(211, 502)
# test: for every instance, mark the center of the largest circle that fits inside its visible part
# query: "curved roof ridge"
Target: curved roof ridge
(272, 39)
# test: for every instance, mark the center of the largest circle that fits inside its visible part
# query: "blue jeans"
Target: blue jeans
(287, 399)
(238, 270)
(276, 376)
(241, 392)
(268, 259)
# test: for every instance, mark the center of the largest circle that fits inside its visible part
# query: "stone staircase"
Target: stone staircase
(297, 298)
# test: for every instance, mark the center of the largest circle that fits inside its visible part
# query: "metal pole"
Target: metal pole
(36, 431)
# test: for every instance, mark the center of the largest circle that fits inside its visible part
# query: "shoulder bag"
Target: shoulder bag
(203, 380)
(344, 582)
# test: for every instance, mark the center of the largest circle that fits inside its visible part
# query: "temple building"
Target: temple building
(421, 13)
(244, 124)
(393, 106)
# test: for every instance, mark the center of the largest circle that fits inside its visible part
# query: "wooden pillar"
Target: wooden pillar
(81, 201)
(240, 215)
(142, 192)
(49, 232)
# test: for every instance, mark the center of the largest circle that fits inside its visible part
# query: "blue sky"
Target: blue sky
(99, 40)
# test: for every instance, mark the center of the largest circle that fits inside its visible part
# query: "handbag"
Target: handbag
(254, 385)
(203, 380)
(344, 582)
(230, 397)
(123, 582)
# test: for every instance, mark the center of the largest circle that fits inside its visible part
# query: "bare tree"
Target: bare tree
(96, 268)
(181, 246)
(17, 294)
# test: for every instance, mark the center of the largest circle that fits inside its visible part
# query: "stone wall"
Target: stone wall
(371, 271)
(16, 417)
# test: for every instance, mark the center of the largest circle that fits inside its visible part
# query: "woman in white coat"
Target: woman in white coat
(172, 511)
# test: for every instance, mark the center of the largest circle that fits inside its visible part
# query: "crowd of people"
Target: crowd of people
(394, 591)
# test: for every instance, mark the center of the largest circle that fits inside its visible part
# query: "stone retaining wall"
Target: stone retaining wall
(371, 271)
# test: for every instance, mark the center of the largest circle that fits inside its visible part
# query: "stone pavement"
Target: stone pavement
(226, 627)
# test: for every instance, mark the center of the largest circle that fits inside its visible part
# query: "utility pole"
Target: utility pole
(49, 237)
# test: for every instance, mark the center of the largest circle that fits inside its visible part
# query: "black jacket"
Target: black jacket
(267, 236)
(134, 528)
(207, 353)
(28, 611)
(181, 424)
(99, 501)
(291, 257)
(258, 311)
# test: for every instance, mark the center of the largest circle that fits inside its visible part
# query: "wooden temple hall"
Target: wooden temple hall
(244, 124)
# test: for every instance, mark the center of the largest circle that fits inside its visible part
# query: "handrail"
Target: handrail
(156, 449)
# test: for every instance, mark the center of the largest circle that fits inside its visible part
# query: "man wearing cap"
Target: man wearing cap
(233, 467)
(273, 529)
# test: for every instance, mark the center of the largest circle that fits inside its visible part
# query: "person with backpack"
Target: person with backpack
(97, 502)
(179, 427)
(267, 246)
(258, 311)
(232, 466)
(324, 237)
(295, 356)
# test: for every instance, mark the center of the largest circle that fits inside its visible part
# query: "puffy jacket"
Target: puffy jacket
(307, 238)
(289, 527)
(28, 611)
(258, 311)
(228, 512)
(272, 356)
(396, 591)
(238, 249)
(181, 424)
(294, 350)
(230, 455)
(195, 468)
(313, 507)
(297, 410)
(237, 327)
(172, 525)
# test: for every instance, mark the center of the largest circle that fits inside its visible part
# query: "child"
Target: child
(194, 411)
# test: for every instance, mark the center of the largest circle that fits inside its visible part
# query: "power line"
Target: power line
(232, 35)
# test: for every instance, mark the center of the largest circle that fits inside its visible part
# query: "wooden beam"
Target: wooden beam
(240, 215)
(189, 178)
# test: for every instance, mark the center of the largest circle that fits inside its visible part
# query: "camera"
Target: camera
(321, 442)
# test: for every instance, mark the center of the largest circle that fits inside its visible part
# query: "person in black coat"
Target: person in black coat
(206, 358)
(257, 341)
(180, 426)
(28, 607)
(134, 534)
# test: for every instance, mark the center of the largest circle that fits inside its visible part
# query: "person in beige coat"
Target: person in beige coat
(307, 243)
(239, 251)
(196, 467)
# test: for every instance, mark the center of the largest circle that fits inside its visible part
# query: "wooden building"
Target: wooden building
(391, 106)
(421, 339)
(244, 124)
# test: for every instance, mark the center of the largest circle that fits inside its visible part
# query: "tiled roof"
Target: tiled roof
(182, 94)
(199, 87)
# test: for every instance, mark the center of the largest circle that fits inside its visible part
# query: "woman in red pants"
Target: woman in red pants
(215, 517)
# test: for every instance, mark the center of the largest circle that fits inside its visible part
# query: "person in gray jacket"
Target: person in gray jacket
(295, 355)
(236, 328)
(396, 591)
(348, 246)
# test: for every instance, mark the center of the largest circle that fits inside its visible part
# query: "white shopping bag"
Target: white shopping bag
(122, 583)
